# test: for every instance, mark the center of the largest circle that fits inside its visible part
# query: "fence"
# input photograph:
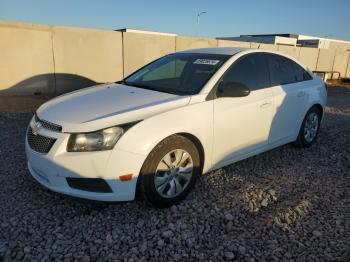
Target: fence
(56, 59)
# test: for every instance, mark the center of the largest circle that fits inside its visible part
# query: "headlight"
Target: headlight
(96, 141)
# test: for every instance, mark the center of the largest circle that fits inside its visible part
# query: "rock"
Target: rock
(177, 256)
(85, 258)
(19, 255)
(160, 243)
(27, 250)
(229, 255)
(109, 239)
(229, 226)
(167, 234)
(242, 250)
(265, 202)
(143, 247)
(189, 243)
(4, 224)
(229, 217)
(174, 210)
(140, 224)
(172, 227)
(98, 241)
(317, 233)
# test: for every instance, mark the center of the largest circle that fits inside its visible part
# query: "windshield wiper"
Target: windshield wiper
(146, 87)
(141, 86)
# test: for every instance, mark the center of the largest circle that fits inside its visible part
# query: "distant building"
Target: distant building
(293, 40)
(265, 39)
(321, 42)
(128, 30)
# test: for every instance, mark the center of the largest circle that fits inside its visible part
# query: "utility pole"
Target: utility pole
(198, 16)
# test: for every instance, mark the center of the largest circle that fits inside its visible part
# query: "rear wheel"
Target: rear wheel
(170, 171)
(309, 128)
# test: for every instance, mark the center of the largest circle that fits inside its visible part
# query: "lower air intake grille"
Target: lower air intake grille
(39, 143)
(89, 184)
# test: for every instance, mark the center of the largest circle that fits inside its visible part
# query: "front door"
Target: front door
(242, 124)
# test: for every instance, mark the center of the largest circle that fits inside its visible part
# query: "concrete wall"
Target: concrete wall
(26, 62)
(88, 55)
(269, 47)
(185, 42)
(54, 59)
(228, 43)
(292, 51)
(325, 60)
(339, 46)
(308, 56)
(140, 49)
(341, 61)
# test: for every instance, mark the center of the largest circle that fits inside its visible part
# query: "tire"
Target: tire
(305, 137)
(169, 165)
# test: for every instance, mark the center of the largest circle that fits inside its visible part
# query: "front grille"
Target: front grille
(39, 143)
(48, 125)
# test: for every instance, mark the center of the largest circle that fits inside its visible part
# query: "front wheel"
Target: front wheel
(170, 171)
(309, 128)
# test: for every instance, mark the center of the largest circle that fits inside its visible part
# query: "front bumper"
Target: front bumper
(52, 169)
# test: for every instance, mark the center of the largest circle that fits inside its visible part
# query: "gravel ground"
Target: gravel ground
(286, 204)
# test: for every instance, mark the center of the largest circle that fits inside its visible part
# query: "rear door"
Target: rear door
(242, 124)
(290, 97)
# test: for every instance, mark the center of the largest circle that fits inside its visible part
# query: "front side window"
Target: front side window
(250, 71)
(181, 74)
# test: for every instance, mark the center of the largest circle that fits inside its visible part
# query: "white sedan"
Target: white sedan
(184, 114)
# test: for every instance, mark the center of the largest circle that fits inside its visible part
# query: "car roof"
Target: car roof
(217, 50)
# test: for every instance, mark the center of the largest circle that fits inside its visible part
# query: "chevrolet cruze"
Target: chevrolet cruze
(184, 114)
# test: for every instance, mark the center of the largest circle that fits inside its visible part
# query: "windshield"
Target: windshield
(180, 74)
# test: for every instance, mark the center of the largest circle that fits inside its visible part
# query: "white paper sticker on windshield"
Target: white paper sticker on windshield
(206, 62)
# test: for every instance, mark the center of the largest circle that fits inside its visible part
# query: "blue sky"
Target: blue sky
(223, 18)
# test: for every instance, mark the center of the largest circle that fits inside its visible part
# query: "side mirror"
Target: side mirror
(232, 89)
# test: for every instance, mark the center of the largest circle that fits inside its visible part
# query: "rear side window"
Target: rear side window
(285, 71)
(282, 70)
(251, 71)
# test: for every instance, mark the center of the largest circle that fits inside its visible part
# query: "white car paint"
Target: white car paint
(106, 105)
(229, 129)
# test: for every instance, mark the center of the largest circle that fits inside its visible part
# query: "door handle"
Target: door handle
(301, 94)
(265, 105)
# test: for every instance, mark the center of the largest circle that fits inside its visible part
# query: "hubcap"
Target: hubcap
(173, 173)
(311, 127)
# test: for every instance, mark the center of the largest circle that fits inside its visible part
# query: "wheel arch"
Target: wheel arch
(195, 140)
(319, 107)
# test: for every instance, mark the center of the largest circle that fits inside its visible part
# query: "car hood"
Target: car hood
(106, 105)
